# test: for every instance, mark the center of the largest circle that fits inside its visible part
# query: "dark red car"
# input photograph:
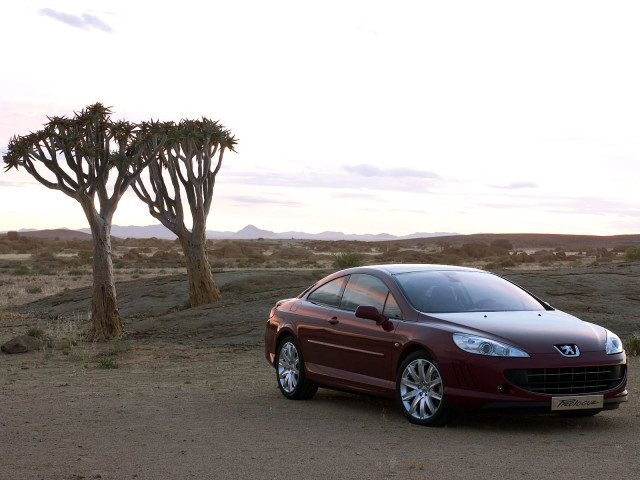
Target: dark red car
(441, 338)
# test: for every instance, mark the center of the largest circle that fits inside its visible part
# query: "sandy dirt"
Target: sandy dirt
(193, 397)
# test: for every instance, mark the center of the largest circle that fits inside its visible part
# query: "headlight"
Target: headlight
(486, 346)
(614, 344)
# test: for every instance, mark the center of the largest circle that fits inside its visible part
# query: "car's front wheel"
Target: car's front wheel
(420, 391)
(292, 380)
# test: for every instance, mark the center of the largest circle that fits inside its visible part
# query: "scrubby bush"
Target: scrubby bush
(21, 270)
(632, 254)
(218, 264)
(85, 257)
(405, 256)
(475, 250)
(599, 252)
(35, 332)
(107, 363)
(347, 259)
(478, 250)
(44, 255)
(502, 262)
(544, 257)
(522, 257)
(502, 244)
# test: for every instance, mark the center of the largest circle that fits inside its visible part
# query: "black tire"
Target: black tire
(290, 373)
(420, 391)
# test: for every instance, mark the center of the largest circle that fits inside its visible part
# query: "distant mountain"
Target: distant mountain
(251, 232)
(61, 233)
(134, 231)
(538, 241)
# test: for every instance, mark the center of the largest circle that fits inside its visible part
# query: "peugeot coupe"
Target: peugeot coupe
(441, 339)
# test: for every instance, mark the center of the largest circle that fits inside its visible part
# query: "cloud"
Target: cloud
(566, 205)
(516, 186)
(358, 196)
(327, 179)
(85, 21)
(289, 179)
(263, 201)
(10, 183)
(366, 170)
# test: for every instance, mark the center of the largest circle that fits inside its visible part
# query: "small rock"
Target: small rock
(22, 344)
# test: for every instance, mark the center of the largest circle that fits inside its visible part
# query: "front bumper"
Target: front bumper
(481, 383)
(610, 403)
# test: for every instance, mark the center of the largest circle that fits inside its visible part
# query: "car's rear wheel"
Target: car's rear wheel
(292, 379)
(420, 391)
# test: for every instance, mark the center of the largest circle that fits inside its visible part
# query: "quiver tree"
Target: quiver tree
(77, 156)
(186, 169)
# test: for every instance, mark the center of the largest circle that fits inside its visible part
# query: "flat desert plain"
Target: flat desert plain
(193, 397)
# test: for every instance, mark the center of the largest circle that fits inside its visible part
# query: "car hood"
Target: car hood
(534, 332)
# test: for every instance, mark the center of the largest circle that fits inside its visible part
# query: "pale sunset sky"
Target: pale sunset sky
(353, 116)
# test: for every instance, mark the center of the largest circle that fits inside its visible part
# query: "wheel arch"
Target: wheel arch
(283, 333)
(410, 349)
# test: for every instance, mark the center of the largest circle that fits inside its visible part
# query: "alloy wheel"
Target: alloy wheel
(288, 367)
(421, 389)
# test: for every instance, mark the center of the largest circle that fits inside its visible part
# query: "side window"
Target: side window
(391, 308)
(329, 293)
(364, 290)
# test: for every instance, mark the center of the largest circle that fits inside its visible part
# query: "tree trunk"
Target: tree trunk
(202, 287)
(104, 305)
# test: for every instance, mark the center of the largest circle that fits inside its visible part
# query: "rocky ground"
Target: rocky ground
(193, 397)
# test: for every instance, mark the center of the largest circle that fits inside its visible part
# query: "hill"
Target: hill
(250, 232)
(58, 233)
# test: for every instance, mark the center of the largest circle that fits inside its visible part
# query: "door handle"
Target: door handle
(333, 320)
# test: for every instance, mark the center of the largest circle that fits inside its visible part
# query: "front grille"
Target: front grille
(567, 381)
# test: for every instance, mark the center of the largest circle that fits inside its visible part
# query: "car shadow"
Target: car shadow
(338, 403)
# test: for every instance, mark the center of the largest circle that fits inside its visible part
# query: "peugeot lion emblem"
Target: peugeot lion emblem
(568, 350)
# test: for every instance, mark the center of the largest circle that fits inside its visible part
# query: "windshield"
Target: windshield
(460, 291)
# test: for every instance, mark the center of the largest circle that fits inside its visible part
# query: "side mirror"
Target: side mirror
(371, 313)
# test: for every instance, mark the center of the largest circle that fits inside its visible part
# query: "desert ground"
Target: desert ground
(187, 393)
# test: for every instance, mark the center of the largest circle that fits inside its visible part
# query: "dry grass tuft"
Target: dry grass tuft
(632, 345)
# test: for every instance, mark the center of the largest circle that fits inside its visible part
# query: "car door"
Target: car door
(362, 350)
(314, 321)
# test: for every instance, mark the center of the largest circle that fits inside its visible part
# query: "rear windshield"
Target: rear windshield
(453, 291)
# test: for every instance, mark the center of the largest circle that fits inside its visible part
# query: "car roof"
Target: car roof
(393, 269)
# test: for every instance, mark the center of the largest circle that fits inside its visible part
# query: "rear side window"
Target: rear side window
(329, 293)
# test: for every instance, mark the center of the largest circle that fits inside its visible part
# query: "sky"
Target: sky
(353, 116)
